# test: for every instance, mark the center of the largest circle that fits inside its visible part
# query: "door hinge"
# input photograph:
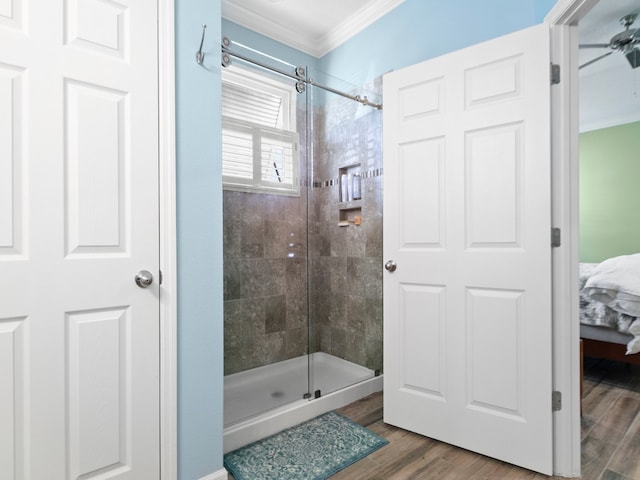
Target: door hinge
(160, 275)
(556, 401)
(555, 74)
(556, 235)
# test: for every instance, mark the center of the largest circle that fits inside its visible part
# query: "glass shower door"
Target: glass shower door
(345, 238)
(265, 242)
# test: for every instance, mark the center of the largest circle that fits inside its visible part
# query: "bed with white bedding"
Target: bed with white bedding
(610, 307)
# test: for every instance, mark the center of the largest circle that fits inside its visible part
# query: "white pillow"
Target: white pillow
(616, 283)
(633, 346)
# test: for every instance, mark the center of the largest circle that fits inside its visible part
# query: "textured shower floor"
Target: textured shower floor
(265, 388)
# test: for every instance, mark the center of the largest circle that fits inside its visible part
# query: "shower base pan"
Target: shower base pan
(265, 400)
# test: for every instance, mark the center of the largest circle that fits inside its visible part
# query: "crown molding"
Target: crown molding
(265, 26)
(356, 23)
(316, 46)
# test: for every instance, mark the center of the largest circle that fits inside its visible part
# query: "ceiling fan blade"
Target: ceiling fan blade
(594, 60)
(594, 45)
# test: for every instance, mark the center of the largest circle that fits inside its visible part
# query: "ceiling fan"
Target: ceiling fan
(626, 42)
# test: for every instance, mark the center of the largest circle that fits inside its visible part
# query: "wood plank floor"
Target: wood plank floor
(610, 438)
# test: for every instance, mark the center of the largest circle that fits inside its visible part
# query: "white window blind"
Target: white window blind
(259, 142)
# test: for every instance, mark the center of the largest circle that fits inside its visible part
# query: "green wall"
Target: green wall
(610, 192)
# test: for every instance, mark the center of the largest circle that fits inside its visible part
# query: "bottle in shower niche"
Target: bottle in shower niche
(344, 188)
(355, 186)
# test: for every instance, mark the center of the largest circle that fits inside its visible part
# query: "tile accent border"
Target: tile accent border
(374, 172)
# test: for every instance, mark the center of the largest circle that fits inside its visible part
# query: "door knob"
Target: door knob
(144, 278)
(391, 266)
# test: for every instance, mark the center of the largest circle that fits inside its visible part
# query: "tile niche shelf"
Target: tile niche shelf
(350, 192)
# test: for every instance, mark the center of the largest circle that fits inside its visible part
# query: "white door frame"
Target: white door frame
(563, 19)
(168, 305)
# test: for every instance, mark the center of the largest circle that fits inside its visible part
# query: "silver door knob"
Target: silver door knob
(144, 278)
(391, 266)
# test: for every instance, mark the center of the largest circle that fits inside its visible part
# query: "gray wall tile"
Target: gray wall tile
(295, 282)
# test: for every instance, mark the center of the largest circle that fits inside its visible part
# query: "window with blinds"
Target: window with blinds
(259, 141)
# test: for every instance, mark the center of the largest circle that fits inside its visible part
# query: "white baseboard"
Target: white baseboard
(219, 475)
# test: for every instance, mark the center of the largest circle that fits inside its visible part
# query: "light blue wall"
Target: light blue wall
(415, 31)
(267, 45)
(199, 218)
(421, 29)
(283, 52)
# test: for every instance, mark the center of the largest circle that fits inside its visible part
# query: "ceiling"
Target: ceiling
(311, 26)
(609, 88)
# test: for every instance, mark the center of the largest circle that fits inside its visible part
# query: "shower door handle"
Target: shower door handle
(391, 266)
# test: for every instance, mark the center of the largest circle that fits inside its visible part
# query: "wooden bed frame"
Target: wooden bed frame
(600, 343)
(608, 351)
(605, 350)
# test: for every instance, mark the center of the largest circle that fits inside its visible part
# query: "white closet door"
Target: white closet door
(79, 354)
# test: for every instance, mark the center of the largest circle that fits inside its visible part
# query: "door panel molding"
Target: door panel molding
(474, 279)
(103, 41)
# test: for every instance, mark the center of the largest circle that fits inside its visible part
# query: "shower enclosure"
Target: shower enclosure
(303, 272)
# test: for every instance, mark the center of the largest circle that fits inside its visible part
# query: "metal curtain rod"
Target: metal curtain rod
(298, 75)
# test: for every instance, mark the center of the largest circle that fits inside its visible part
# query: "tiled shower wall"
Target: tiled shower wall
(266, 283)
(346, 261)
(265, 279)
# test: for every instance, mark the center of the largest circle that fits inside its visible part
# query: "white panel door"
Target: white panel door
(79, 355)
(467, 319)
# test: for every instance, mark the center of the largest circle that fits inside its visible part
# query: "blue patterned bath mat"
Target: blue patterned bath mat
(313, 450)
